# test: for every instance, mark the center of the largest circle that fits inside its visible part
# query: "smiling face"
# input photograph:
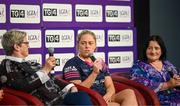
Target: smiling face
(153, 52)
(86, 45)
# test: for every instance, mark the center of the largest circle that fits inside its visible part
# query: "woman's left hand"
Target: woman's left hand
(1, 94)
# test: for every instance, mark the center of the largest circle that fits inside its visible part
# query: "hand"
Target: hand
(50, 63)
(173, 82)
(97, 66)
(177, 80)
(107, 97)
(177, 77)
(73, 89)
(1, 94)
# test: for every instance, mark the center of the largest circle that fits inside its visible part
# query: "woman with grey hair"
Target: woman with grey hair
(31, 77)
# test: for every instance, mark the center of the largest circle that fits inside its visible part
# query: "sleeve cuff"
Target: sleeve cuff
(66, 89)
(42, 76)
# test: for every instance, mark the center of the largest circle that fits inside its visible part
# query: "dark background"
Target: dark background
(160, 17)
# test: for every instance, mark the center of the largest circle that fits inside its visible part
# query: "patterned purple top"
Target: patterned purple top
(142, 72)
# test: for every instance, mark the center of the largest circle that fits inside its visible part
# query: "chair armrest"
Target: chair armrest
(95, 97)
(30, 99)
(149, 95)
(9, 99)
(140, 99)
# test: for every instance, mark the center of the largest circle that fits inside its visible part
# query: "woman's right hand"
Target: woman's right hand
(50, 64)
(173, 82)
(177, 80)
(97, 66)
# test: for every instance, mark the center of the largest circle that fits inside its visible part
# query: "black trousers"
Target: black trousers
(77, 98)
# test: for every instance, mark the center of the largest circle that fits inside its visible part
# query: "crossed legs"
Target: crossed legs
(125, 97)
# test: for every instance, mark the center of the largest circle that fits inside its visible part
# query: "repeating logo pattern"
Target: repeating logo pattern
(115, 42)
(118, 13)
(59, 38)
(121, 59)
(57, 12)
(120, 38)
(24, 13)
(88, 13)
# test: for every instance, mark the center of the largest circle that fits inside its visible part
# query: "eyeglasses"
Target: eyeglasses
(27, 43)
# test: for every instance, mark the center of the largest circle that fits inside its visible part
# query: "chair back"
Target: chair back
(9, 99)
(28, 98)
(148, 94)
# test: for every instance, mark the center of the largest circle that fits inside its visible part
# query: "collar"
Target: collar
(90, 64)
(17, 59)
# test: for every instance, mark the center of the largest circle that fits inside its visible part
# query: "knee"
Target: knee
(130, 92)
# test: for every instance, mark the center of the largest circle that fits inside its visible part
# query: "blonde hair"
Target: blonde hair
(85, 32)
(82, 33)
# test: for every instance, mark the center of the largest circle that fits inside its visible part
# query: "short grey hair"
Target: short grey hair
(10, 38)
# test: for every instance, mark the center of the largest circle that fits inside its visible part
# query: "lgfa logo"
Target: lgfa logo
(32, 13)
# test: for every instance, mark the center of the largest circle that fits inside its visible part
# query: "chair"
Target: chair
(10, 99)
(120, 86)
(28, 98)
(148, 94)
(97, 99)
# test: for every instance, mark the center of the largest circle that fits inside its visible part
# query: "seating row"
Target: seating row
(144, 95)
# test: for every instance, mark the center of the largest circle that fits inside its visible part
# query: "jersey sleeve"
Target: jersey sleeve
(71, 70)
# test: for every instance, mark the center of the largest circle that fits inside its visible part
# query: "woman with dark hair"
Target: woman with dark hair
(157, 73)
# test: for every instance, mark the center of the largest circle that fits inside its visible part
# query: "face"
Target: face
(24, 46)
(153, 51)
(87, 45)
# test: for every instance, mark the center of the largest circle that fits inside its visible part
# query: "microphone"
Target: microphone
(51, 51)
(92, 57)
(3, 79)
